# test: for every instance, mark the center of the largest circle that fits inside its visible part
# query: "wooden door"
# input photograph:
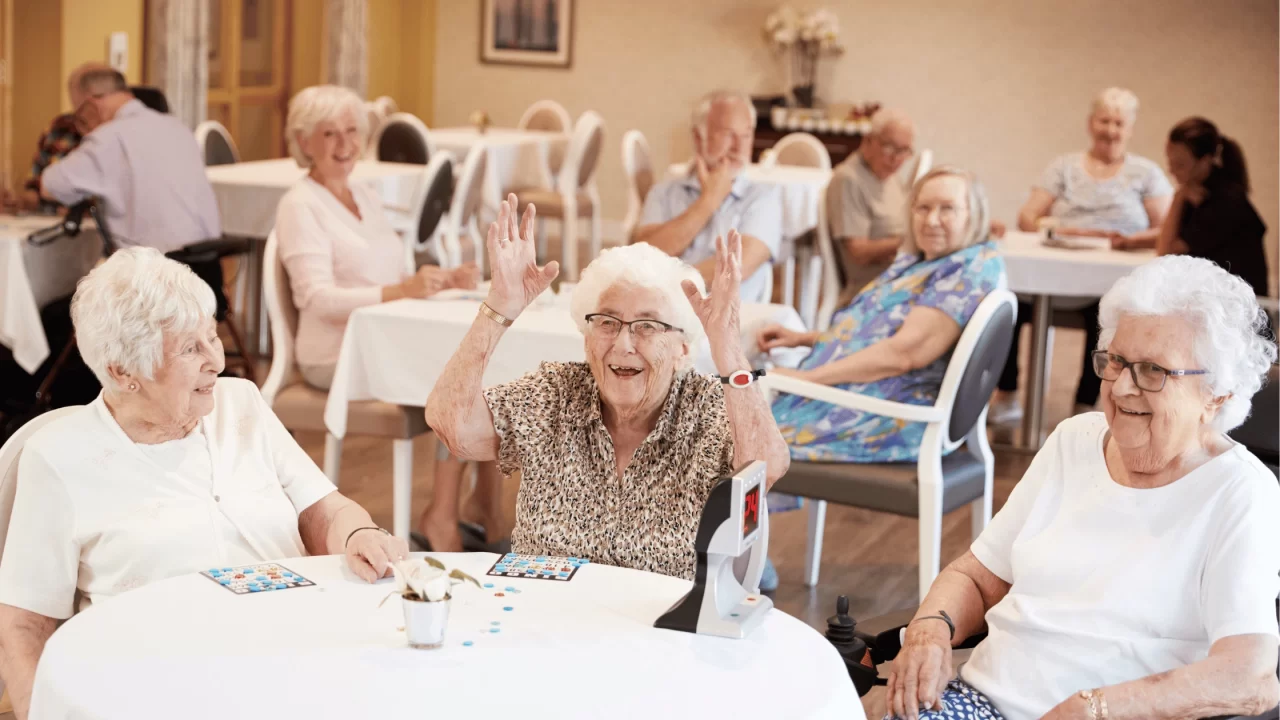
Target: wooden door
(248, 73)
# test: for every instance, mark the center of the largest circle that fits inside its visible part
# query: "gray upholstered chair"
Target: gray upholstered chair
(403, 138)
(216, 144)
(941, 480)
(301, 407)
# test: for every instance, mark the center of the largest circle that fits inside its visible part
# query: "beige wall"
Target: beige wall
(402, 53)
(1000, 86)
(86, 25)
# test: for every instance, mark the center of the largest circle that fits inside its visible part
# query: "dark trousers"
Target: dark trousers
(1090, 384)
(75, 383)
(211, 273)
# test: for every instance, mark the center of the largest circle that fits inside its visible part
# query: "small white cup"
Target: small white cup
(425, 622)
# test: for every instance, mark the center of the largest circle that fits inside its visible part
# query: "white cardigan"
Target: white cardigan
(94, 513)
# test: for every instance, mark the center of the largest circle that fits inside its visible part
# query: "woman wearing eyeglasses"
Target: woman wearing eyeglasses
(616, 455)
(894, 340)
(1133, 572)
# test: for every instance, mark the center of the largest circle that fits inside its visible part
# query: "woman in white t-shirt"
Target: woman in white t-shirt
(1133, 572)
(171, 470)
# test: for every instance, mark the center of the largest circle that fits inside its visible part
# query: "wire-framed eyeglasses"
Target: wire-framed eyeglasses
(1147, 376)
(644, 329)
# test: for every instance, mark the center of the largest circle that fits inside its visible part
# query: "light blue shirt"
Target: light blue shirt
(751, 209)
(1114, 204)
(148, 170)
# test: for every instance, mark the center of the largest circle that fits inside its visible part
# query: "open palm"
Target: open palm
(720, 311)
(517, 279)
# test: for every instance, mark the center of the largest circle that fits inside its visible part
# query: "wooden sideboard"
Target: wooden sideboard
(839, 146)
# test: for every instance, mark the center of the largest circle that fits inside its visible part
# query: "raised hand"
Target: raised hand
(513, 257)
(720, 311)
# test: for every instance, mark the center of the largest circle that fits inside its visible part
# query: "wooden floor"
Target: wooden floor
(871, 557)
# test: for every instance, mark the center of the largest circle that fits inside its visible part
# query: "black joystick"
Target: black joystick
(842, 633)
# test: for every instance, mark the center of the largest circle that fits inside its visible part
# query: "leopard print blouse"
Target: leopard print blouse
(571, 501)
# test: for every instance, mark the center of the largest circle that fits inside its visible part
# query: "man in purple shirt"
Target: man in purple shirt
(144, 166)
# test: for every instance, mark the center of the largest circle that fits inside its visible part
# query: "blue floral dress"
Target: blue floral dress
(819, 431)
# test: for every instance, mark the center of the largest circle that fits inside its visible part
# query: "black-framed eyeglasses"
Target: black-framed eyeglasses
(1147, 376)
(644, 329)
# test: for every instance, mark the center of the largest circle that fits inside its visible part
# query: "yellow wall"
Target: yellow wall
(86, 25)
(305, 55)
(402, 53)
(39, 87)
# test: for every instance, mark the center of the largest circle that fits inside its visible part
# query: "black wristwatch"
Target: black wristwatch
(741, 378)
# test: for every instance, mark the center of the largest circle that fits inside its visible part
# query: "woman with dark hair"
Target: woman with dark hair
(1211, 216)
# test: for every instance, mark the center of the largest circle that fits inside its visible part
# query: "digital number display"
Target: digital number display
(751, 511)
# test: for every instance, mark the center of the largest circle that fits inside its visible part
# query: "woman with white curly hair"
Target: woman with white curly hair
(171, 470)
(1133, 572)
(617, 455)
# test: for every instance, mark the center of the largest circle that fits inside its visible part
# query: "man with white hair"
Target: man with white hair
(867, 200)
(683, 217)
(144, 166)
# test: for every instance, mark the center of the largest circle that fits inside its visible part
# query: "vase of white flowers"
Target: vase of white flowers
(802, 39)
(425, 588)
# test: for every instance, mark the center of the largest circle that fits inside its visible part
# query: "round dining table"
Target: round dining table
(516, 648)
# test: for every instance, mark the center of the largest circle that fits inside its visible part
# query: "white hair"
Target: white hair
(641, 265)
(123, 308)
(1119, 99)
(702, 110)
(889, 117)
(1222, 310)
(312, 106)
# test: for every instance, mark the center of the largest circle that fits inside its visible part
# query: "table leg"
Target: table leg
(1037, 374)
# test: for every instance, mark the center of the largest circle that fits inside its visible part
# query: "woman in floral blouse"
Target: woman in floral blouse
(617, 455)
(894, 340)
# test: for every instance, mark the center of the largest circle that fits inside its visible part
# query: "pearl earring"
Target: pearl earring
(132, 386)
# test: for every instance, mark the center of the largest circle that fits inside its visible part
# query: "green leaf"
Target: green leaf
(459, 575)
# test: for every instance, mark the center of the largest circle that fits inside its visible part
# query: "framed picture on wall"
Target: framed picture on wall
(527, 32)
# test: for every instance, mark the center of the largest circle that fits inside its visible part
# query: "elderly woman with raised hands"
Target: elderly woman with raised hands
(1133, 572)
(617, 455)
(336, 242)
(171, 470)
(894, 340)
(1105, 191)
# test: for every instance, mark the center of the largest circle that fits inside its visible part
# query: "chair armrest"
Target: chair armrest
(853, 401)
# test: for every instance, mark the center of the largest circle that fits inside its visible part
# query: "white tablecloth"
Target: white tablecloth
(517, 158)
(30, 277)
(186, 647)
(394, 352)
(801, 189)
(249, 192)
(1034, 269)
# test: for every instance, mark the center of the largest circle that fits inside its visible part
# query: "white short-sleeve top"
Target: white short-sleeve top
(95, 512)
(1113, 583)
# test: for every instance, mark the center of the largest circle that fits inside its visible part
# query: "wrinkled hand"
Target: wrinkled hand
(720, 312)
(716, 184)
(1073, 708)
(998, 229)
(464, 276)
(778, 336)
(920, 672)
(370, 553)
(513, 257)
(427, 281)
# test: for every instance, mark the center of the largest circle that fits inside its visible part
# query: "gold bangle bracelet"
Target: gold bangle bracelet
(494, 315)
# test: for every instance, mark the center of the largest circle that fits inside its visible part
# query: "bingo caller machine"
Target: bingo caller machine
(730, 527)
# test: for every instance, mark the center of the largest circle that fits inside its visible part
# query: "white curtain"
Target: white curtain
(346, 52)
(178, 56)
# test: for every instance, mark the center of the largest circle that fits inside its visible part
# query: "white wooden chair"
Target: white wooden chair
(549, 116)
(301, 407)
(823, 277)
(216, 145)
(940, 480)
(462, 222)
(403, 138)
(638, 166)
(576, 196)
(386, 105)
(426, 223)
(798, 149)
